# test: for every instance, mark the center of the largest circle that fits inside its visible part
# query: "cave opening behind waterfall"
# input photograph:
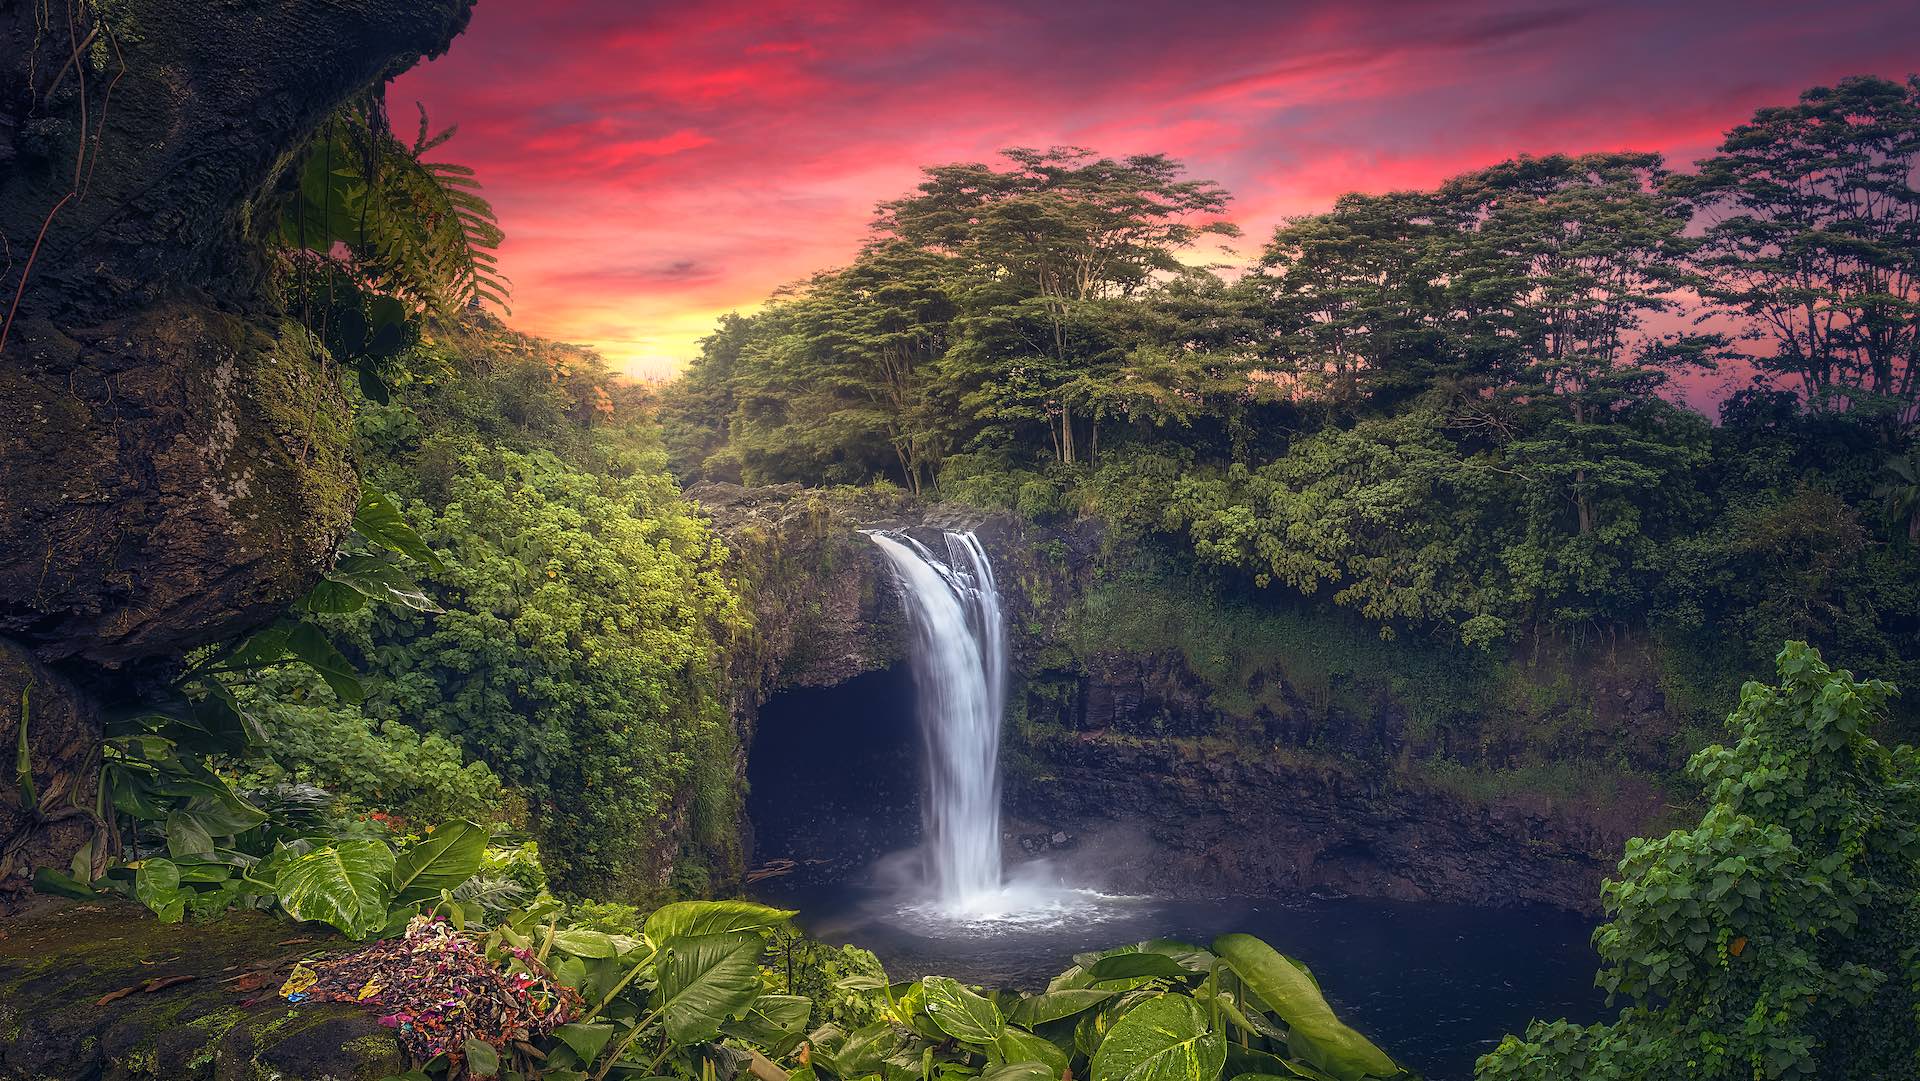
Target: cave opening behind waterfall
(833, 777)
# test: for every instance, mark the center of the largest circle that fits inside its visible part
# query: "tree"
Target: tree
(696, 410)
(1043, 245)
(1779, 938)
(868, 337)
(1814, 238)
(1899, 495)
(1571, 255)
(1354, 299)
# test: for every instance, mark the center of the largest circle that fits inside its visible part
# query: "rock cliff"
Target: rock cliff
(1179, 739)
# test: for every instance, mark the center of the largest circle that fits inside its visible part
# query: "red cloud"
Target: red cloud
(657, 164)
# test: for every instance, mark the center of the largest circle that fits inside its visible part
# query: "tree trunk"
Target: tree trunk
(176, 466)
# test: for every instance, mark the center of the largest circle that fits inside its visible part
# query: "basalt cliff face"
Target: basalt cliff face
(174, 461)
(1169, 738)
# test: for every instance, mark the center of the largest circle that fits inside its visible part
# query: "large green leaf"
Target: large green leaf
(773, 1023)
(330, 597)
(710, 918)
(587, 1040)
(309, 645)
(1018, 1045)
(1163, 1039)
(379, 521)
(345, 884)
(448, 856)
(187, 836)
(1021, 1071)
(156, 884)
(382, 580)
(960, 1013)
(60, 884)
(1291, 994)
(1127, 966)
(585, 942)
(1035, 1010)
(704, 979)
(863, 1051)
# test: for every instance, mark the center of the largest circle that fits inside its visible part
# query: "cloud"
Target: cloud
(656, 164)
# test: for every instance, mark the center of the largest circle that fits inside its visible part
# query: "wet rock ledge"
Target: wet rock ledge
(223, 1022)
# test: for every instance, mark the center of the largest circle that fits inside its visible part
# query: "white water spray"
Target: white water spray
(959, 660)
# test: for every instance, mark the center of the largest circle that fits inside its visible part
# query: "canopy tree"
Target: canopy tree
(1042, 246)
(1813, 242)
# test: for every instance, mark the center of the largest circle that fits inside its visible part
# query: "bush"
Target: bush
(1781, 937)
(371, 766)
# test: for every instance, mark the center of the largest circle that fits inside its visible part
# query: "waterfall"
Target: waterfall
(959, 658)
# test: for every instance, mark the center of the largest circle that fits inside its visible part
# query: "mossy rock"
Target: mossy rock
(59, 962)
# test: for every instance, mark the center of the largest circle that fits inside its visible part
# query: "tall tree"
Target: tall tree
(1045, 243)
(1572, 255)
(869, 336)
(1353, 300)
(1814, 238)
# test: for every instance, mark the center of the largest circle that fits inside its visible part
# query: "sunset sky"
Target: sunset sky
(656, 165)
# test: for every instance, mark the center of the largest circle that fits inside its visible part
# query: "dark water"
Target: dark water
(1435, 985)
(835, 788)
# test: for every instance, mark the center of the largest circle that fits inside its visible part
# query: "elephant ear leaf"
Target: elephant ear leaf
(447, 857)
(1291, 994)
(309, 645)
(1128, 966)
(704, 980)
(344, 884)
(774, 1023)
(960, 1013)
(711, 918)
(1164, 1038)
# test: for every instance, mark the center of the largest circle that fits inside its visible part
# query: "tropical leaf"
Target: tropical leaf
(380, 579)
(587, 1040)
(704, 979)
(1164, 1038)
(711, 917)
(345, 884)
(583, 942)
(60, 884)
(380, 522)
(1022, 1071)
(1127, 966)
(773, 1023)
(863, 1050)
(309, 645)
(443, 860)
(1036, 1010)
(187, 836)
(1018, 1045)
(156, 884)
(1291, 994)
(960, 1013)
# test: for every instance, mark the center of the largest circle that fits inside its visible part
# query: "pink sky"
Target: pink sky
(657, 165)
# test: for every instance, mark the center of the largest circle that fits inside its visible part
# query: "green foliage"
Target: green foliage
(1452, 411)
(371, 766)
(345, 884)
(1810, 242)
(689, 990)
(1780, 937)
(577, 656)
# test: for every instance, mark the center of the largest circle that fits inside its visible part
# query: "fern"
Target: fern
(399, 225)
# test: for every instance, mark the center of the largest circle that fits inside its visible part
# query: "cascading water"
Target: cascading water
(959, 660)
